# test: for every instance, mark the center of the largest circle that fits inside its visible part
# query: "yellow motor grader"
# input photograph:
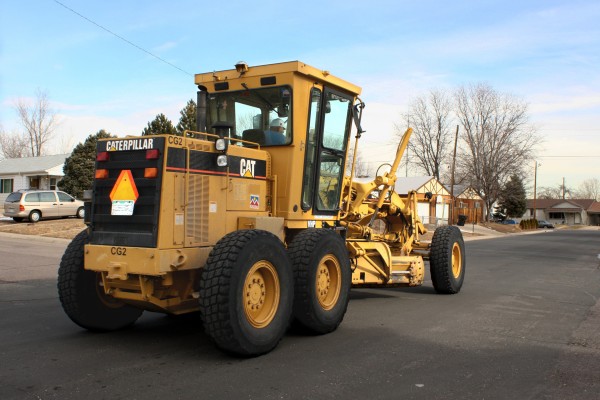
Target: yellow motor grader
(253, 219)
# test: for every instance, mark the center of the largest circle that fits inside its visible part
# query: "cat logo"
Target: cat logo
(247, 168)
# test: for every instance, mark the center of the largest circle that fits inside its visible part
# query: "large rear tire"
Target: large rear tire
(246, 292)
(447, 260)
(322, 279)
(82, 296)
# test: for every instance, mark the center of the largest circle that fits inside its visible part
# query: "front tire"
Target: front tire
(247, 292)
(447, 260)
(80, 212)
(82, 297)
(322, 279)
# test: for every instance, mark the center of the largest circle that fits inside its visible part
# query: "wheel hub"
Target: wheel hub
(261, 294)
(328, 282)
(456, 261)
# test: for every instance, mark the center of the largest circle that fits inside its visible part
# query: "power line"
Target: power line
(122, 38)
(579, 156)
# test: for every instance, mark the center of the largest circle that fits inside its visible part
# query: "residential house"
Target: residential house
(434, 210)
(30, 173)
(467, 202)
(565, 211)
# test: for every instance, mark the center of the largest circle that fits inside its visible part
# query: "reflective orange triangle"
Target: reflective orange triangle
(124, 188)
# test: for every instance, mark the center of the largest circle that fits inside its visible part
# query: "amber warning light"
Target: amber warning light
(124, 194)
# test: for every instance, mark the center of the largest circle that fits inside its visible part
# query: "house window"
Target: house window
(477, 205)
(6, 185)
(462, 205)
(52, 183)
(556, 215)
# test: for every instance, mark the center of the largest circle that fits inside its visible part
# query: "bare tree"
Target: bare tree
(361, 169)
(497, 138)
(589, 189)
(38, 120)
(556, 192)
(13, 145)
(430, 117)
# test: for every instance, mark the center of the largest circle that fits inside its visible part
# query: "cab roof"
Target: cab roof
(279, 68)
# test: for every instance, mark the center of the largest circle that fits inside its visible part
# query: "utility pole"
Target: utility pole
(451, 213)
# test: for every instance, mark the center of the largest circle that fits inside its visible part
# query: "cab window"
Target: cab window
(261, 116)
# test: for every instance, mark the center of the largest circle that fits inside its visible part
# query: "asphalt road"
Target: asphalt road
(525, 326)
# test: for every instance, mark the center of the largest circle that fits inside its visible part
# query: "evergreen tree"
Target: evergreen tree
(513, 198)
(187, 119)
(79, 167)
(160, 125)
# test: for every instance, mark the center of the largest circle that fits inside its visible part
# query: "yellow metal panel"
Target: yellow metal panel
(269, 224)
(280, 68)
(144, 261)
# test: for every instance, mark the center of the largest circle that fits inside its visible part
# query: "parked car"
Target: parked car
(545, 224)
(37, 204)
(509, 222)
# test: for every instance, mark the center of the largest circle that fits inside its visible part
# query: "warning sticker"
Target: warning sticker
(124, 194)
(122, 207)
(254, 201)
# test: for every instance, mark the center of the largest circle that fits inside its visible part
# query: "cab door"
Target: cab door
(327, 139)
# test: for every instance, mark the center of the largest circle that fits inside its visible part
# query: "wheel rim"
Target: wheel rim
(328, 282)
(35, 217)
(456, 261)
(261, 294)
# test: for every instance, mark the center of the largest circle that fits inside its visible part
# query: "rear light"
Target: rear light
(101, 173)
(21, 207)
(103, 156)
(152, 154)
(150, 172)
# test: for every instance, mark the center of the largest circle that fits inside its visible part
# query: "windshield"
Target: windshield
(258, 115)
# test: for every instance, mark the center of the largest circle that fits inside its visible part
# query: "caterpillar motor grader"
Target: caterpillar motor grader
(253, 219)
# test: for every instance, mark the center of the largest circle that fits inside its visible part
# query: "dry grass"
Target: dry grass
(65, 228)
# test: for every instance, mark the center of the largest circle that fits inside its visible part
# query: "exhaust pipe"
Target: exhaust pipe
(201, 97)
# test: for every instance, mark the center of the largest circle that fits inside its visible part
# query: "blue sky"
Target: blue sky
(545, 52)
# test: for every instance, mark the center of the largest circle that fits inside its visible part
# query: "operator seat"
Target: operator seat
(254, 135)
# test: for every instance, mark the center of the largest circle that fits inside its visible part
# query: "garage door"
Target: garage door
(423, 212)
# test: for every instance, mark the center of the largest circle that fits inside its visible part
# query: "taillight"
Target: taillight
(150, 172)
(103, 156)
(101, 173)
(152, 154)
(21, 207)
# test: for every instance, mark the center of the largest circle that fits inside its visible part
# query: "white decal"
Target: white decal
(130, 144)
(247, 168)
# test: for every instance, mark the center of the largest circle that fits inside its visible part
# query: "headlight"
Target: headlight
(222, 160)
(221, 145)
